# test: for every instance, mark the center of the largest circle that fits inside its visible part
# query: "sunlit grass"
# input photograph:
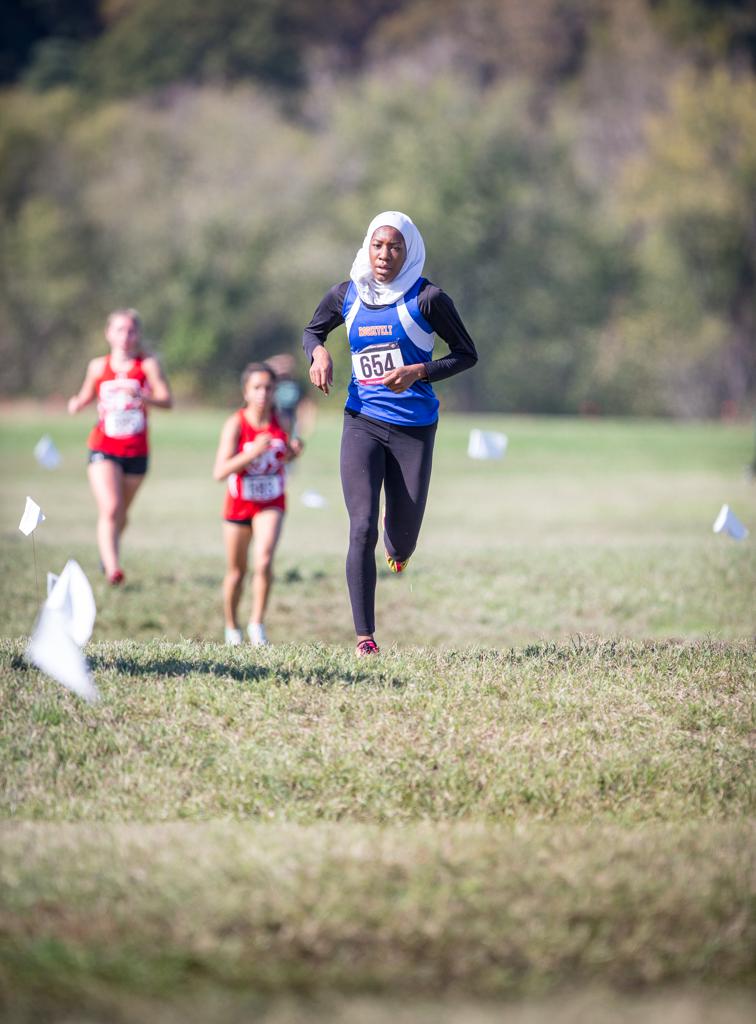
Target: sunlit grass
(579, 732)
(603, 528)
(542, 791)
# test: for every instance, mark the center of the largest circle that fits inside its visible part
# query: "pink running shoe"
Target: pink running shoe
(365, 648)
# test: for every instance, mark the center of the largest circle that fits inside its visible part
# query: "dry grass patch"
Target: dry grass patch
(467, 909)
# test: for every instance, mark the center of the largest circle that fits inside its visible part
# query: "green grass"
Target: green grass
(614, 731)
(590, 527)
(536, 806)
(418, 910)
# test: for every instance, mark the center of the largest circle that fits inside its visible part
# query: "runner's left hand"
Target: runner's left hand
(294, 449)
(404, 377)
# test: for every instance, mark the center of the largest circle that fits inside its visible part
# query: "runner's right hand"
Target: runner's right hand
(321, 370)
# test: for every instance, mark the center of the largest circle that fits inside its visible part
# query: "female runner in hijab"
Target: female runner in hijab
(391, 313)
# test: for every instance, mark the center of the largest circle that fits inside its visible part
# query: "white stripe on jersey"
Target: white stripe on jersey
(415, 333)
(349, 318)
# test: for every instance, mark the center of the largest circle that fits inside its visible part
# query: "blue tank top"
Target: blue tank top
(379, 340)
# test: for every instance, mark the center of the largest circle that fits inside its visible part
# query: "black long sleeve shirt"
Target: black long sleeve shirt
(435, 305)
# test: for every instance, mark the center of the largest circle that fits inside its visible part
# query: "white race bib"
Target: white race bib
(262, 488)
(121, 408)
(371, 364)
(124, 422)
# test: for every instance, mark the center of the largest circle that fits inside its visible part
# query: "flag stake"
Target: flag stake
(36, 574)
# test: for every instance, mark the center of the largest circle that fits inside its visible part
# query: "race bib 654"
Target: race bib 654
(371, 364)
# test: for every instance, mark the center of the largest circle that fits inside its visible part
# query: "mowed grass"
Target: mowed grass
(537, 805)
(620, 731)
(415, 911)
(462, 827)
(584, 527)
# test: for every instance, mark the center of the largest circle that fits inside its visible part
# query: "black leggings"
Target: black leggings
(399, 458)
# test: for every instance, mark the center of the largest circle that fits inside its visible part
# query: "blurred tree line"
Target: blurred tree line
(583, 172)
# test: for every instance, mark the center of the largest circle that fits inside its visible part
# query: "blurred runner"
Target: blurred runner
(252, 454)
(125, 383)
(295, 410)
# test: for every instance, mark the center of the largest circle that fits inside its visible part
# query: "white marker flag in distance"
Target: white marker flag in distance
(31, 518)
(46, 454)
(486, 444)
(311, 499)
(727, 522)
(64, 625)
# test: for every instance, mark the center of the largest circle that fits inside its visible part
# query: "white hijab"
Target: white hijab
(375, 293)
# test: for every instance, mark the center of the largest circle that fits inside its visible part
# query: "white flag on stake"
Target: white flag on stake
(73, 596)
(46, 454)
(54, 650)
(31, 518)
(311, 499)
(64, 625)
(486, 444)
(727, 522)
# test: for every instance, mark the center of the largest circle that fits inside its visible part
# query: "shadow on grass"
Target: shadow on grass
(179, 667)
(366, 673)
(176, 667)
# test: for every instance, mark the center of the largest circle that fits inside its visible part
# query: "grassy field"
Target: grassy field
(536, 806)
(589, 527)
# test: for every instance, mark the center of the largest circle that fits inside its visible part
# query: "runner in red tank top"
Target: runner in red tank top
(121, 428)
(124, 384)
(252, 455)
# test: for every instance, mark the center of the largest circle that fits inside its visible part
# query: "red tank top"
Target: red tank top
(263, 482)
(122, 414)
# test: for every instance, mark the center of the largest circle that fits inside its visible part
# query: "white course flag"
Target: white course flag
(31, 518)
(72, 595)
(311, 499)
(46, 454)
(727, 522)
(486, 444)
(64, 625)
(54, 650)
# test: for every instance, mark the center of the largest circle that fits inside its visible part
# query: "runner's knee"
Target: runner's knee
(363, 533)
(110, 513)
(264, 564)
(235, 575)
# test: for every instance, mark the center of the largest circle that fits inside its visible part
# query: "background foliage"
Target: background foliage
(584, 173)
